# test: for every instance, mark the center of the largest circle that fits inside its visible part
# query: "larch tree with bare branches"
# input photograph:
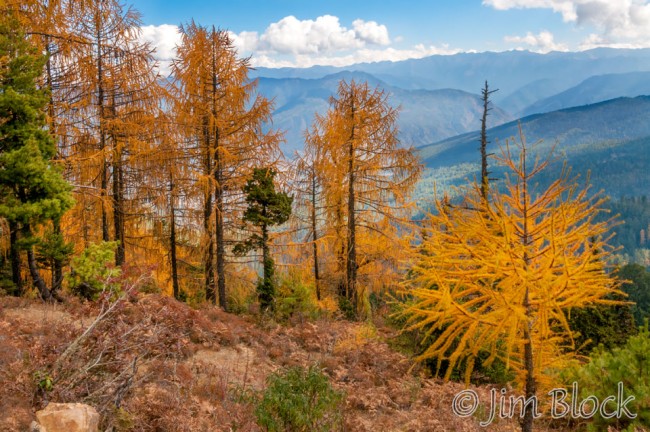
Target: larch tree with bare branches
(223, 126)
(367, 177)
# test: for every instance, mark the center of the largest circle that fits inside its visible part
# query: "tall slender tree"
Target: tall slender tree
(309, 208)
(368, 175)
(107, 94)
(223, 128)
(485, 174)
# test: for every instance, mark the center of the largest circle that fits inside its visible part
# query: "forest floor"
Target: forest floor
(169, 367)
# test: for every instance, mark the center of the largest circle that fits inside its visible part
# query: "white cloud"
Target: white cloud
(565, 7)
(164, 39)
(371, 32)
(543, 42)
(245, 41)
(291, 42)
(619, 23)
(293, 36)
(325, 34)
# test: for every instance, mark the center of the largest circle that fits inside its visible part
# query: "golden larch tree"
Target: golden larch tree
(367, 176)
(306, 232)
(503, 277)
(105, 96)
(223, 127)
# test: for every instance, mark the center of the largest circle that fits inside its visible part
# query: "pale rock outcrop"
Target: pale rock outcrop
(72, 417)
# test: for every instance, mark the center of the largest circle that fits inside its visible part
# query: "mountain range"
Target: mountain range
(439, 95)
(591, 105)
(610, 141)
(425, 116)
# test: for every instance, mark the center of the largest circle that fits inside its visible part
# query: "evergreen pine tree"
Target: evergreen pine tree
(266, 207)
(32, 190)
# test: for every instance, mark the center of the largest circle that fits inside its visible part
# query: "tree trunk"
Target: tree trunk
(267, 291)
(103, 196)
(218, 190)
(172, 239)
(16, 277)
(351, 274)
(118, 205)
(531, 386)
(102, 134)
(341, 256)
(221, 250)
(43, 290)
(57, 264)
(207, 215)
(485, 174)
(315, 235)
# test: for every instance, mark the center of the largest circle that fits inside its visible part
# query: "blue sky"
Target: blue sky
(303, 33)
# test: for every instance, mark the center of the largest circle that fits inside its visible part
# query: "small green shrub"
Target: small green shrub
(347, 308)
(628, 364)
(92, 272)
(44, 381)
(300, 400)
(295, 297)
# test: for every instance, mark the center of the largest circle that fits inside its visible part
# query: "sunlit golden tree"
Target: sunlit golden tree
(105, 96)
(502, 279)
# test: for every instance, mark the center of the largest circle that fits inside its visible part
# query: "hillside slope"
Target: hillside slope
(611, 140)
(172, 368)
(593, 90)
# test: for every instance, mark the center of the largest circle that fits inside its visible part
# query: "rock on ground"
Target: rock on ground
(75, 417)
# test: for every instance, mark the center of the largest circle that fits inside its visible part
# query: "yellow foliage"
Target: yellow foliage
(328, 305)
(501, 276)
(365, 181)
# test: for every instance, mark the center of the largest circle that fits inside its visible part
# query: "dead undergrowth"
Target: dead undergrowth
(150, 363)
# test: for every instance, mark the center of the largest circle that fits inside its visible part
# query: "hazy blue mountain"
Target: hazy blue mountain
(425, 116)
(508, 71)
(531, 93)
(595, 89)
(611, 138)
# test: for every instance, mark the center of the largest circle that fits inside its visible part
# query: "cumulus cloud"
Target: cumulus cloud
(291, 42)
(325, 41)
(325, 34)
(164, 39)
(543, 42)
(245, 41)
(371, 32)
(618, 23)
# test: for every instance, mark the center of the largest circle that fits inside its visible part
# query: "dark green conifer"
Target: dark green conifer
(266, 208)
(32, 190)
